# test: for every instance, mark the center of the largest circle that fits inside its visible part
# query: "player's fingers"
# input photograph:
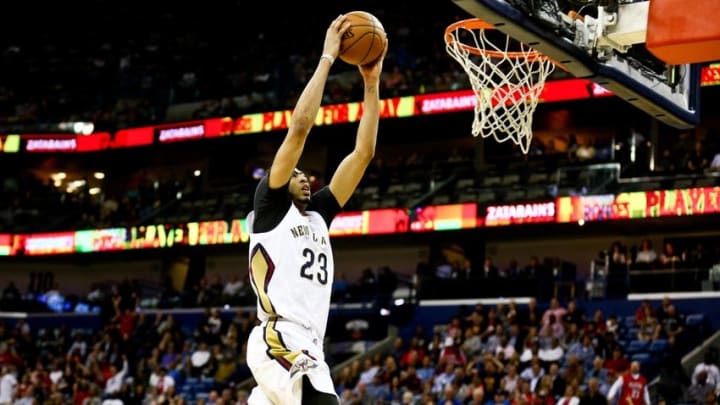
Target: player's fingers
(337, 23)
(344, 27)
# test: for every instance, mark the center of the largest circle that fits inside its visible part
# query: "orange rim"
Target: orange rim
(475, 24)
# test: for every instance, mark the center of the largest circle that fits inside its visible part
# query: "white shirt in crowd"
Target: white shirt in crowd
(161, 383)
(551, 354)
(713, 374)
(569, 401)
(8, 386)
(114, 383)
(715, 164)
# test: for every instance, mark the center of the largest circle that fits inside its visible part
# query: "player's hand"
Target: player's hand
(371, 71)
(334, 34)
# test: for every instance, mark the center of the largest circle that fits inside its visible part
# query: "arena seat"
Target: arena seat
(658, 346)
(637, 346)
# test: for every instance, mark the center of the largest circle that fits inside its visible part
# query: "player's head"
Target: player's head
(299, 187)
(635, 367)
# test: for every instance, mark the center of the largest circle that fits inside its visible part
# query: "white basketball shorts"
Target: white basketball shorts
(279, 353)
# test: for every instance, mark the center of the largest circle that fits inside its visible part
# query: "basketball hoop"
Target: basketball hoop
(507, 82)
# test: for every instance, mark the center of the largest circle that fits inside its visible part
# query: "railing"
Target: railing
(660, 280)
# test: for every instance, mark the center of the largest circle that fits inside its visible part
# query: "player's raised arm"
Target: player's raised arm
(352, 168)
(306, 109)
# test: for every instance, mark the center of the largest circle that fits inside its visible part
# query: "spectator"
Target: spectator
(557, 382)
(593, 396)
(700, 388)
(554, 310)
(672, 324)
(8, 385)
(669, 258)
(569, 397)
(647, 256)
(697, 160)
(583, 351)
(444, 379)
(715, 164)
(643, 311)
(115, 382)
(554, 353)
(489, 270)
(599, 373)
(617, 364)
(709, 366)
(161, 381)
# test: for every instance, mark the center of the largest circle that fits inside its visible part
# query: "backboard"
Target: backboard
(603, 41)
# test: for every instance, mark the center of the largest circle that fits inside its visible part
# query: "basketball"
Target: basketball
(364, 41)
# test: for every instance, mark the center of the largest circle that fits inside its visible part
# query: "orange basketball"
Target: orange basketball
(364, 41)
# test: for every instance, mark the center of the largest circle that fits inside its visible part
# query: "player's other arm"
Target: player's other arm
(352, 168)
(306, 109)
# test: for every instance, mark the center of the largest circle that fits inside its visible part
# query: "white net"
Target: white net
(507, 77)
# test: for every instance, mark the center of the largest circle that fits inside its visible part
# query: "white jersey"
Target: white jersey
(292, 268)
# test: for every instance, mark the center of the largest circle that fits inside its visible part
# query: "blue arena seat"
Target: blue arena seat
(695, 319)
(643, 358)
(637, 346)
(657, 346)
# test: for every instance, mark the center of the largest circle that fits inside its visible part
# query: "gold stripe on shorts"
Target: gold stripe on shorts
(277, 350)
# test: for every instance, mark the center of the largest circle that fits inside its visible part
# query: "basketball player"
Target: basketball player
(291, 261)
(631, 387)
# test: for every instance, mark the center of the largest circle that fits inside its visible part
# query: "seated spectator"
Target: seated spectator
(613, 326)
(647, 256)
(533, 374)
(427, 370)
(618, 363)
(444, 379)
(669, 258)
(573, 371)
(593, 395)
(477, 396)
(504, 350)
(414, 354)
(648, 330)
(500, 398)
(511, 379)
(697, 160)
(709, 366)
(573, 315)
(161, 381)
(569, 397)
(583, 351)
(556, 379)
(553, 328)
(599, 373)
(472, 345)
(715, 164)
(376, 391)
(554, 309)
(699, 389)
(368, 372)
(554, 353)
(643, 311)
(233, 287)
(672, 324)
(618, 258)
